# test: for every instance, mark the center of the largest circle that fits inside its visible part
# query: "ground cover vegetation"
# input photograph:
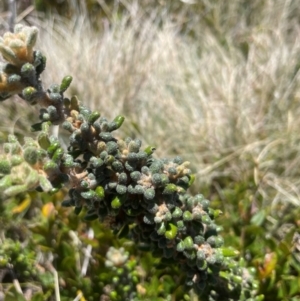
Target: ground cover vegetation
(214, 83)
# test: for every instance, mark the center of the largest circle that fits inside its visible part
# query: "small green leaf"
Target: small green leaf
(171, 231)
(43, 140)
(189, 243)
(227, 252)
(170, 188)
(149, 150)
(93, 117)
(117, 122)
(5, 167)
(65, 83)
(116, 202)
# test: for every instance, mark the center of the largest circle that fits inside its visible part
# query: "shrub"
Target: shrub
(116, 181)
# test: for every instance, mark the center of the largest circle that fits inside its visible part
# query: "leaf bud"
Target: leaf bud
(103, 155)
(84, 184)
(39, 61)
(117, 166)
(201, 255)
(121, 189)
(43, 140)
(181, 226)
(58, 155)
(187, 216)
(168, 216)
(170, 188)
(30, 155)
(199, 240)
(178, 160)
(9, 55)
(156, 179)
(129, 166)
(132, 157)
(12, 139)
(149, 194)
(4, 167)
(53, 147)
(31, 36)
(188, 243)
(205, 204)
(104, 127)
(135, 176)
(15, 160)
(122, 178)
(29, 94)
(45, 117)
(106, 136)
(190, 255)
(116, 202)
(93, 117)
(156, 166)
(171, 231)
(152, 208)
(149, 150)
(65, 83)
(139, 189)
(215, 241)
(101, 146)
(164, 179)
(206, 219)
(84, 111)
(161, 229)
(90, 194)
(145, 170)
(99, 192)
(117, 122)
(192, 178)
(50, 166)
(112, 147)
(5, 182)
(127, 140)
(109, 160)
(112, 185)
(75, 103)
(214, 213)
(201, 265)
(158, 219)
(177, 213)
(52, 111)
(219, 257)
(133, 147)
(28, 70)
(14, 78)
(172, 171)
(85, 128)
(180, 246)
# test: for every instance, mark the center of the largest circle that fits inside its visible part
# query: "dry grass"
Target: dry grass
(221, 89)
